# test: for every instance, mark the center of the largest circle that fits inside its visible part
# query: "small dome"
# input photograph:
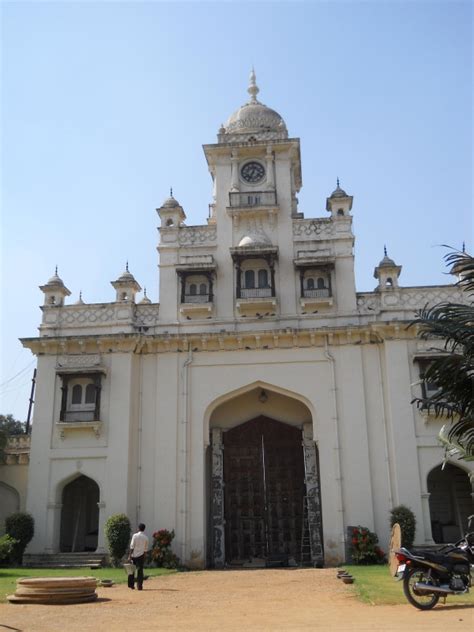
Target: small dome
(126, 276)
(79, 300)
(145, 300)
(259, 239)
(338, 192)
(55, 279)
(170, 202)
(386, 261)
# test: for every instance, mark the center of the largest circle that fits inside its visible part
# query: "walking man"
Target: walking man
(138, 549)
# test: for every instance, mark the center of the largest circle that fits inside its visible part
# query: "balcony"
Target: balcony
(197, 298)
(252, 203)
(256, 292)
(251, 199)
(79, 416)
(196, 306)
(310, 299)
(257, 302)
(321, 293)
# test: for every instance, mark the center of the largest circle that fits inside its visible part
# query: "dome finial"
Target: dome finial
(385, 250)
(464, 246)
(56, 271)
(171, 191)
(337, 182)
(253, 89)
(126, 266)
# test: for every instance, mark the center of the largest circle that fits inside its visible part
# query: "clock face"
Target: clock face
(252, 172)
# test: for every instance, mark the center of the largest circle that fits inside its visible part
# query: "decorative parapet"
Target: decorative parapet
(313, 229)
(408, 299)
(197, 235)
(417, 297)
(100, 315)
(17, 450)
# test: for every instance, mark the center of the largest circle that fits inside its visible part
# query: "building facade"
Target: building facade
(264, 405)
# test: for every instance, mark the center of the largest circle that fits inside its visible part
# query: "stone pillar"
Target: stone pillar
(234, 161)
(217, 491)
(270, 175)
(101, 547)
(53, 528)
(425, 506)
(313, 496)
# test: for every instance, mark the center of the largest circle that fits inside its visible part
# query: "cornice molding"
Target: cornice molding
(289, 338)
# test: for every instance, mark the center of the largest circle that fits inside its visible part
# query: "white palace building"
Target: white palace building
(263, 406)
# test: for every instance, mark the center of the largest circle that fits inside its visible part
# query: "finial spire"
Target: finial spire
(56, 271)
(253, 89)
(337, 182)
(171, 191)
(385, 250)
(464, 246)
(80, 295)
(126, 266)
(144, 292)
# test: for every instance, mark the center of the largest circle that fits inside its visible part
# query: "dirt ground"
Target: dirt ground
(286, 599)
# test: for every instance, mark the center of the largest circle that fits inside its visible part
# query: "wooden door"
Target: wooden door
(264, 488)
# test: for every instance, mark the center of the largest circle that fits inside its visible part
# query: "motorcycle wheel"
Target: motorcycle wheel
(422, 601)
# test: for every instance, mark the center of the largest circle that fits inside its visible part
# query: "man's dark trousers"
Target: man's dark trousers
(139, 562)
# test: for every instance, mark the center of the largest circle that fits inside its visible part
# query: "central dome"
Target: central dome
(254, 119)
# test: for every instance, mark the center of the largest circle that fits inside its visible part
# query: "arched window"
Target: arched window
(389, 282)
(193, 289)
(321, 283)
(90, 394)
(340, 211)
(263, 278)
(124, 296)
(76, 397)
(203, 288)
(169, 222)
(249, 279)
(310, 284)
(52, 300)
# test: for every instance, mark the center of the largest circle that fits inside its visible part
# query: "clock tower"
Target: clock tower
(256, 170)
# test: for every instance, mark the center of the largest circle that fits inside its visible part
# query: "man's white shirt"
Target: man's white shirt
(139, 544)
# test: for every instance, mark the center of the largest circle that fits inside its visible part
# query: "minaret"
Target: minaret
(339, 204)
(126, 287)
(54, 291)
(171, 213)
(387, 273)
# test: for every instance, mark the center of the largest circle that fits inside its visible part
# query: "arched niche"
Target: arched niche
(450, 501)
(9, 503)
(79, 515)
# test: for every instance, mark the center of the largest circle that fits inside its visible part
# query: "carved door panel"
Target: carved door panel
(264, 487)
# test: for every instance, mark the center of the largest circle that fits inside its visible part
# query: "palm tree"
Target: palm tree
(453, 371)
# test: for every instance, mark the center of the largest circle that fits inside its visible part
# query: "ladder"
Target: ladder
(305, 555)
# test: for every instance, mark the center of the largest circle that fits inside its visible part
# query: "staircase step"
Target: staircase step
(64, 560)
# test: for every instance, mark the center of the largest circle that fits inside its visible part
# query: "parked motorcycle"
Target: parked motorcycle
(427, 576)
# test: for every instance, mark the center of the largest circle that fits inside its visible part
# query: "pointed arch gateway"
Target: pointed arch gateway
(265, 493)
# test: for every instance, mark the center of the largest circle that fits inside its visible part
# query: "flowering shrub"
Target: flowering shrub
(364, 547)
(161, 553)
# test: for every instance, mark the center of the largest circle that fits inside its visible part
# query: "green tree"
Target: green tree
(453, 371)
(9, 426)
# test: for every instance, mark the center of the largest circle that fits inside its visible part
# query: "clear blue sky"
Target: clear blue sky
(106, 105)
